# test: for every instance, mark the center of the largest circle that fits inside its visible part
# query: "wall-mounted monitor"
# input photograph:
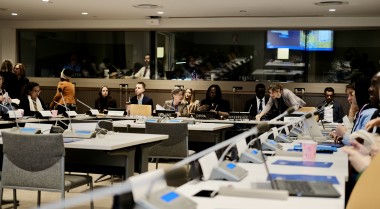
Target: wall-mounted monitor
(317, 40)
(290, 39)
(320, 40)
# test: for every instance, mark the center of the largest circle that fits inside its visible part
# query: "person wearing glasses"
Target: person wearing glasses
(30, 100)
(176, 103)
(22, 80)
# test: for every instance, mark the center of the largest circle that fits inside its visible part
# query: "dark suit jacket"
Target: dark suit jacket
(337, 112)
(253, 102)
(24, 104)
(146, 101)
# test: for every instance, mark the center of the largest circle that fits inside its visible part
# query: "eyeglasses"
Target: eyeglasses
(37, 91)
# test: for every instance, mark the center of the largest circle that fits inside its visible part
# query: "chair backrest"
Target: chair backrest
(176, 145)
(365, 193)
(140, 110)
(106, 124)
(33, 161)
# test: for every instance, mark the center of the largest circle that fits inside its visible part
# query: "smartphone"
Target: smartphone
(206, 193)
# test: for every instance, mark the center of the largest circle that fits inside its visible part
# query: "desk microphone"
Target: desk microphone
(18, 129)
(290, 110)
(91, 111)
(249, 110)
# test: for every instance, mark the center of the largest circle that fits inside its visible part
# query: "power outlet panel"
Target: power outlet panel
(299, 90)
(237, 87)
(123, 86)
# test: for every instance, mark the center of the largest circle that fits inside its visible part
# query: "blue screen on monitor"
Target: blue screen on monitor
(317, 40)
(290, 39)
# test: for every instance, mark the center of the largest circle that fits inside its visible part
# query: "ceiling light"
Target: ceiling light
(47, 1)
(160, 13)
(14, 14)
(147, 6)
(84, 13)
(331, 3)
(332, 10)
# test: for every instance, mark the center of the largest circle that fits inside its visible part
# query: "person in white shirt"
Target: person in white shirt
(330, 110)
(144, 72)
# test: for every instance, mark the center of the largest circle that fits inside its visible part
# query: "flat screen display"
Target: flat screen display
(315, 40)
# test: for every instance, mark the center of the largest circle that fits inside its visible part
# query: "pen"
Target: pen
(216, 107)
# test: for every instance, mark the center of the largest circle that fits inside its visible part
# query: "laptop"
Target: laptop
(302, 188)
(315, 132)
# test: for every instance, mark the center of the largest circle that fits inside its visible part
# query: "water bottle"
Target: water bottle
(194, 75)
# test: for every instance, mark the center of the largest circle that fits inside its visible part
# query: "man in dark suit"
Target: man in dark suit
(330, 110)
(257, 103)
(140, 97)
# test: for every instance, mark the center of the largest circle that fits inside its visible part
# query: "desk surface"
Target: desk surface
(258, 174)
(115, 141)
(191, 127)
(112, 141)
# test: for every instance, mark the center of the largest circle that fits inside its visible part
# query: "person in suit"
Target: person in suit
(140, 97)
(215, 103)
(255, 105)
(104, 101)
(176, 103)
(30, 100)
(280, 100)
(330, 110)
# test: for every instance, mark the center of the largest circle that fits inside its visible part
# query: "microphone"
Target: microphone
(90, 111)
(249, 110)
(273, 145)
(290, 110)
(14, 113)
(65, 106)
(18, 129)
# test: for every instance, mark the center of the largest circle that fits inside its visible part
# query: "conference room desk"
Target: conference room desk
(195, 130)
(258, 174)
(102, 154)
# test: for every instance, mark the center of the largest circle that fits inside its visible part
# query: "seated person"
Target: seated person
(30, 100)
(176, 103)
(144, 72)
(280, 100)
(104, 101)
(365, 91)
(330, 110)
(215, 103)
(189, 99)
(140, 97)
(255, 105)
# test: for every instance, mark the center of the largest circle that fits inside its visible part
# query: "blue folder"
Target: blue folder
(304, 163)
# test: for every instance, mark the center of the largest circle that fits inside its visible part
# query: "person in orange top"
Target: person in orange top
(66, 89)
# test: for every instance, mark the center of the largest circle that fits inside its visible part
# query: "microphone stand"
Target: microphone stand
(14, 113)
(67, 109)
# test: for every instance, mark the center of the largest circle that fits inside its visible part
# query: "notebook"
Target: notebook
(302, 188)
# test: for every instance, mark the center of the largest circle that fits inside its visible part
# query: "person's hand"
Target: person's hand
(2, 98)
(203, 107)
(340, 130)
(360, 148)
(358, 161)
(258, 117)
(178, 114)
(372, 123)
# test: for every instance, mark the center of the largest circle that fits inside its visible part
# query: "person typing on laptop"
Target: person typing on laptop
(176, 103)
(215, 103)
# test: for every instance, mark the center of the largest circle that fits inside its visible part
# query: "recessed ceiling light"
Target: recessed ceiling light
(332, 10)
(331, 3)
(160, 13)
(84, 13)
(14, 14)
(47, 1)
(147, 6)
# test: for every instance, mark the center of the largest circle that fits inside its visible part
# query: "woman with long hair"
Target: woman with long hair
(21, 79)
(104, 101)
(192, 103)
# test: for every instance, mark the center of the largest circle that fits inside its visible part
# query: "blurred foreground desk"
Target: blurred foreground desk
(258, 174)
(111, 154)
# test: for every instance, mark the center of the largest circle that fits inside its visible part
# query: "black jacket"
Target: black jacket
(253, 109)
(337, 112)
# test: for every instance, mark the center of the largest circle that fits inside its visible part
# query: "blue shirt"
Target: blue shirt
(360, 123)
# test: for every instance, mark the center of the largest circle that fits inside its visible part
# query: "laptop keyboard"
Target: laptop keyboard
(296, 187)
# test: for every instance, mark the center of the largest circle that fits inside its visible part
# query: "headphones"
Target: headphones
(101, 88)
